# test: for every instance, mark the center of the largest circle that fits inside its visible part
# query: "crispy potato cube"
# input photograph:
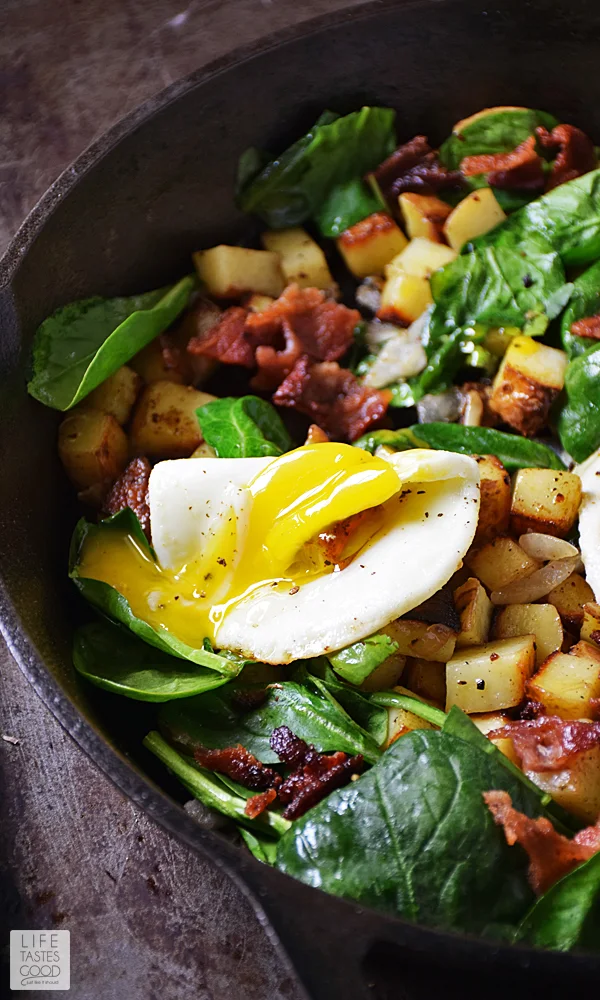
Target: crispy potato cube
(487, 723)
(204, 450)
(371, 244)
(422, 639)
(528, 380)
(475, 610)
(567, 684)
(426, 678)
(92, 447)
(421, 257)
(590, 629)
(500, 562)
(404, 298)
(302, 260)
(424, 215)
(494, 509)
(473, 216)
(401, 722)
(157, 363)
(116, 395)
(569, 598)
(386, 675)
(490, 677)
(577, 786)
(545, 500)
(540, 620)
(164, 422)
(229, 272)
(258, 303)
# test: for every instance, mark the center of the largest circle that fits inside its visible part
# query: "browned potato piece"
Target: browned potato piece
(575, 787)
(228, 272)
(487, 723)
(386, 675)
(421, 639)
(475, 610)
(529, 378)
(371, 244)
(164, 422)
(116, 395)
(568, 684)
(401, 722)
(490, 677)
(569, 598)
(424, 215)
(590, 629)
(494, 510)
(426, 678)
(158, 362)
(92, 446)
(500, 562)
(545, 500)
(541, 620)
(302, 260)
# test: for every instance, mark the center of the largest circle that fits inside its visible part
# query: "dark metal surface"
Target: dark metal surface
(134, 214)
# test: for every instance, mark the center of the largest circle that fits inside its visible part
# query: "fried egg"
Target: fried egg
(589, 519)
(286, 558)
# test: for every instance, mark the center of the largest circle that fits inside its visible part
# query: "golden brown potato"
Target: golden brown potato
(473, 216)
(158, 362)
(529, 378)
(386, 675)
(494, 510)
(475, 610)
(590, 628)
(93, 447)
(116, 395)
(424, 215)
(164, 422)
(576, 787)
(422, 639)
(302, 260)
(369, 245)
(568, 684)
(229, 272)
(204, 450)
(545, 500)
(569, 598)
(401, 722)
(500, 562)
(490, 677)
(487, 723)
(541, 620)
(426, 678)
(404, 298)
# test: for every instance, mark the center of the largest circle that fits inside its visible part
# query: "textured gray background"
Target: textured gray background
(148, 918)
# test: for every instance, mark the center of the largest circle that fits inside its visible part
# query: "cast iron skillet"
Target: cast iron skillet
(125, 217)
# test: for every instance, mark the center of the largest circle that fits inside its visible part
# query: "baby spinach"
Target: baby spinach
(497, 132)
(292, 187)
(111, 603)
(243, 427)
(578, 421)
(414, 837)
(81, 344)
(360, 707)
(400, 440)
(569, 218)
(116, 660)
(263, 847)
(345, 205)
(356, 662)
(567, 915)
(584, 301)
(393, 699)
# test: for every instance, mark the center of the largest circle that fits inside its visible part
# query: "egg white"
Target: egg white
(589, 519)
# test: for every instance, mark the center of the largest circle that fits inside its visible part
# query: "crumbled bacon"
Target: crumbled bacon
(333, 397)
(131, 490)
(576, 153)
(415, 167)
(551, 856)
(315, 775)
(588, 327)
(258, 803)
(522, 168)
(548, 743)
(239, 765)
(226, 340)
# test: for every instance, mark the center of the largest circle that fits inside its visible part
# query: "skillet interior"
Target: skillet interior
(130, 221)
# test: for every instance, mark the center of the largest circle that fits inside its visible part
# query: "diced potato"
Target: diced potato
(116, 395)
(500, 562)
(371, 244)
(426, 678)
(568, 683)
(157, 362)
(422, 639)
(541, 620)
(528, 380)
(487, 723)
(475, 610)
(204, 450)
(473, 216)
(424, 215)
(494, 509)
(401, 722)
(404, 298)
(164, 422)
(229, 272)
(258, 303)
(302, 260)
(577, 786)
(590, 629)
(569, 598)
(386, 675)
(499, 338)
(93, 447)
(421, 257)
(545, 500)
(490, 677)
(195, 368)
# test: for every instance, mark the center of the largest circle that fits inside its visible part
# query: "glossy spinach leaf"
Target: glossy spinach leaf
(402, 439)
(514, 452)
(356, 662)
(568, 217)
(345, 205)
(393, 699)
(114, 659)
(245, 427)
(262, 846)
(360, 707)
(293, 186)
(413, 837)
(568, 915)
(499, 132)
(83, 343)
(578, 421)
(584, 302)
(112, 604)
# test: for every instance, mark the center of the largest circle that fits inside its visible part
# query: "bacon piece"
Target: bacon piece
(239, 765)
(131, 490)
(576, 153)
(315, 775)
(226, 340)
(333, 397)
(522, 168)
(551, 856)
(415, 167)
(548, 743)
(588, 327)
(258, 803)
(289, 748)
(275, 365)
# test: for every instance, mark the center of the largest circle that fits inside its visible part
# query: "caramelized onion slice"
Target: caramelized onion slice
(546, 547)
(530, 588)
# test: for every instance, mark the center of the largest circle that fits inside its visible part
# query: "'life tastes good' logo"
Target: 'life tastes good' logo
(40, 960)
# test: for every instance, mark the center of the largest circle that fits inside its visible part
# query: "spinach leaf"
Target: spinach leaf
(114, 659)
(345, 205)
(400, 440)
(215, 720)
(293, 186)
(584, 301)
(83, 343)
(578, 422)
(360, 707)
(569, 218)
(112, 604)
(498, 132)
(263, 847)
(243, 427)
(356, 662)
(568, 915)
(206, 786)
(414, 837)
(514, 452)
(393, 699)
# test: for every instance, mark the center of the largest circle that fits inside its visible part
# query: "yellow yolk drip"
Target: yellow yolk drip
(290, 502)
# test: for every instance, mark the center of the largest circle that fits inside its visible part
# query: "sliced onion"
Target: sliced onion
(443, 406)
(530, 588)
(473, 411)
(379, 333)
(398, 359)
(545, 547)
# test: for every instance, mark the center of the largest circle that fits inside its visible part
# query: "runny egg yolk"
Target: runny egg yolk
(283, 509)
